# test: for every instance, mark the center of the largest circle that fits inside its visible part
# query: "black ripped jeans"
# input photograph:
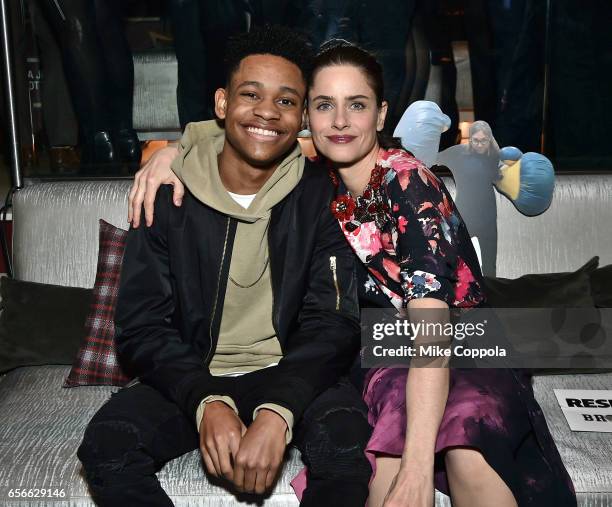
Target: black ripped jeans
(138, 430)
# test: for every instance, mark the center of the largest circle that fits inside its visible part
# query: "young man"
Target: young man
(238, 310)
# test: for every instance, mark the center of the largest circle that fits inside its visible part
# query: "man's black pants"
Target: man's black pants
(138, 430)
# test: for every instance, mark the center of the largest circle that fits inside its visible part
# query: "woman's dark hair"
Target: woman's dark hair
(341, 52)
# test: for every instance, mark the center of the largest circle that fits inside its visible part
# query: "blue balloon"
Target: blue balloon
(537, 184)
(510, 153)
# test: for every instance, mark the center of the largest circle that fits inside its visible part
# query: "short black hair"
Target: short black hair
(273, 40)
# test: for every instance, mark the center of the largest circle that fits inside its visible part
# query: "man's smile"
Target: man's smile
(263, 134)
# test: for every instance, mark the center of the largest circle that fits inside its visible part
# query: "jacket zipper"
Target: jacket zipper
(332, 266)
(212, 318)
(274, 312)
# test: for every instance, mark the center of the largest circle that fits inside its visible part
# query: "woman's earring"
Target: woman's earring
(305, 132)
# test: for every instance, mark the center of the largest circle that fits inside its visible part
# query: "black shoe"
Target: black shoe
(99, 156)
(129, 148)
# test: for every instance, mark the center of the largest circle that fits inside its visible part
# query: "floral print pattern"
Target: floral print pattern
(406, 230)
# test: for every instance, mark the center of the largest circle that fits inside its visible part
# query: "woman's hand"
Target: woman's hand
(154, 173)
(412, 487)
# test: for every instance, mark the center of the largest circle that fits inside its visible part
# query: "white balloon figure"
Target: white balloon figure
(420, 129)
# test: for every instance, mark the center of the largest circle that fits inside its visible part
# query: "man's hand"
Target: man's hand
(154, 173)
(220, 433)
(261, 453)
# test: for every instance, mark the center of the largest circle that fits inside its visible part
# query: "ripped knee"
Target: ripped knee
(108, 448)
(335, 444)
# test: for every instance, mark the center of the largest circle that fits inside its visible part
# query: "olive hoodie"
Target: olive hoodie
(247, 340)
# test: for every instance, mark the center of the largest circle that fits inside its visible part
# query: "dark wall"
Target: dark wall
(580, 84)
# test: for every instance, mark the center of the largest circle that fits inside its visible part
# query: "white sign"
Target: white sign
(586, 409)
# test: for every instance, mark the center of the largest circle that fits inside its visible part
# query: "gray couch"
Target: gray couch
(56, 241)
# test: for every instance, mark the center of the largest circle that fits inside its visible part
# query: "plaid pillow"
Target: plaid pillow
(96, 362)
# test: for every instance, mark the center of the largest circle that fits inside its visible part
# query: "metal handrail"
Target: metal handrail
(7, 57)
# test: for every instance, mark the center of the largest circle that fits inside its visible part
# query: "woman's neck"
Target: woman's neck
(357, 176)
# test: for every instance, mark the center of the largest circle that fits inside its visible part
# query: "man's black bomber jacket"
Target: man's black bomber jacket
(173, 285)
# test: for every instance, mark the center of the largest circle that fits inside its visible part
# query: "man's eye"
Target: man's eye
(324, 106)
(287, 102)
(249, 95)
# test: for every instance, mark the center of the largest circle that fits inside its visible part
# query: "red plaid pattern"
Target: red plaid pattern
(96, 362)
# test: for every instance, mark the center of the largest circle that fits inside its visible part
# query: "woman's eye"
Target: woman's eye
(358, 106)
(324, 106)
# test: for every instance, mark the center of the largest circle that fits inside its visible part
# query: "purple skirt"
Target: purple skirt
(489, 410)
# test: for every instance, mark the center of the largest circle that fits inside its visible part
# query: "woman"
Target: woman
(476, 434)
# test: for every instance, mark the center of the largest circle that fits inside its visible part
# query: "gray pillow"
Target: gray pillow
(601, 286)
(584, 288)
(549, 290)
(40, 324)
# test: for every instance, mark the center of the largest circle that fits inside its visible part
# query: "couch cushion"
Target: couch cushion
(55, 232)
(54, 244)
(562, 238)
(586, 454)
(41, 426)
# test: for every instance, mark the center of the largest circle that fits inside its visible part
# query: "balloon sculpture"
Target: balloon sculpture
(527, 180)
(478, 167)
(420, 128)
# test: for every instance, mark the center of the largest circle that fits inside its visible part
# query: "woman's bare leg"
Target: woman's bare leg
(386, 470)
(472, 481)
